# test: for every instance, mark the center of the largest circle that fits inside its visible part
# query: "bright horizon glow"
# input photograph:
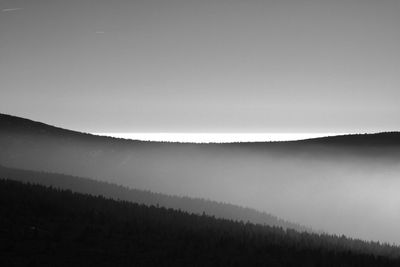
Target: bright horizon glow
(216, 137)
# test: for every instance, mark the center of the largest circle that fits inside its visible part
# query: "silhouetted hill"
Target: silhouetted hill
(42, 226)
(390, 139)
(191, 205)
(335, 184)
(13, 124)
(18, 125)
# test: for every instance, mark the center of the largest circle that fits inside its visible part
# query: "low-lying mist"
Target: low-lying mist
(341, 190)
(351, 197)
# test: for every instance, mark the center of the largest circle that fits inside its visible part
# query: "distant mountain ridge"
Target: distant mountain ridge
(21, 125)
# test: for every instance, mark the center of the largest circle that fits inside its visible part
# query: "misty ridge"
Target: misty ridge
(340, 185)
(190, 205)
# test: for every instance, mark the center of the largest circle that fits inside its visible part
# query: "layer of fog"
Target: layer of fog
(325, 188)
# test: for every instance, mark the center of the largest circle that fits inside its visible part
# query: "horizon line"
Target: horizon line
(186, 137)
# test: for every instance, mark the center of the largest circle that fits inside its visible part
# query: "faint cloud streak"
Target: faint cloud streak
(11, 9)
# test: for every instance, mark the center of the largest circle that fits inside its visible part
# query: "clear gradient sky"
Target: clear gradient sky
(202, 66)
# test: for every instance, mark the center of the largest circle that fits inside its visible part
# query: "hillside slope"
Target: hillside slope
(190, 205)
(42, 226)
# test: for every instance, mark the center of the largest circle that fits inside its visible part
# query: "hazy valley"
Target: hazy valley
(343, 185)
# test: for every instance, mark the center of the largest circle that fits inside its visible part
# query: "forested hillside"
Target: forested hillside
(191, 205)
(42, 226)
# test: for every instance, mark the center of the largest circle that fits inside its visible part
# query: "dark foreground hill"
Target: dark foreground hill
(42, 226)
(191, 205)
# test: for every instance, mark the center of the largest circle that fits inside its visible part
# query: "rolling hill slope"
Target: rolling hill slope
(190, 205)
(42, 226)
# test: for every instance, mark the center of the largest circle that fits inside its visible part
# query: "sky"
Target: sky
(209, 66)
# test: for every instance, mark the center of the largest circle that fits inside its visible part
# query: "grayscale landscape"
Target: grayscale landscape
(284, 117)
(341, 185)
